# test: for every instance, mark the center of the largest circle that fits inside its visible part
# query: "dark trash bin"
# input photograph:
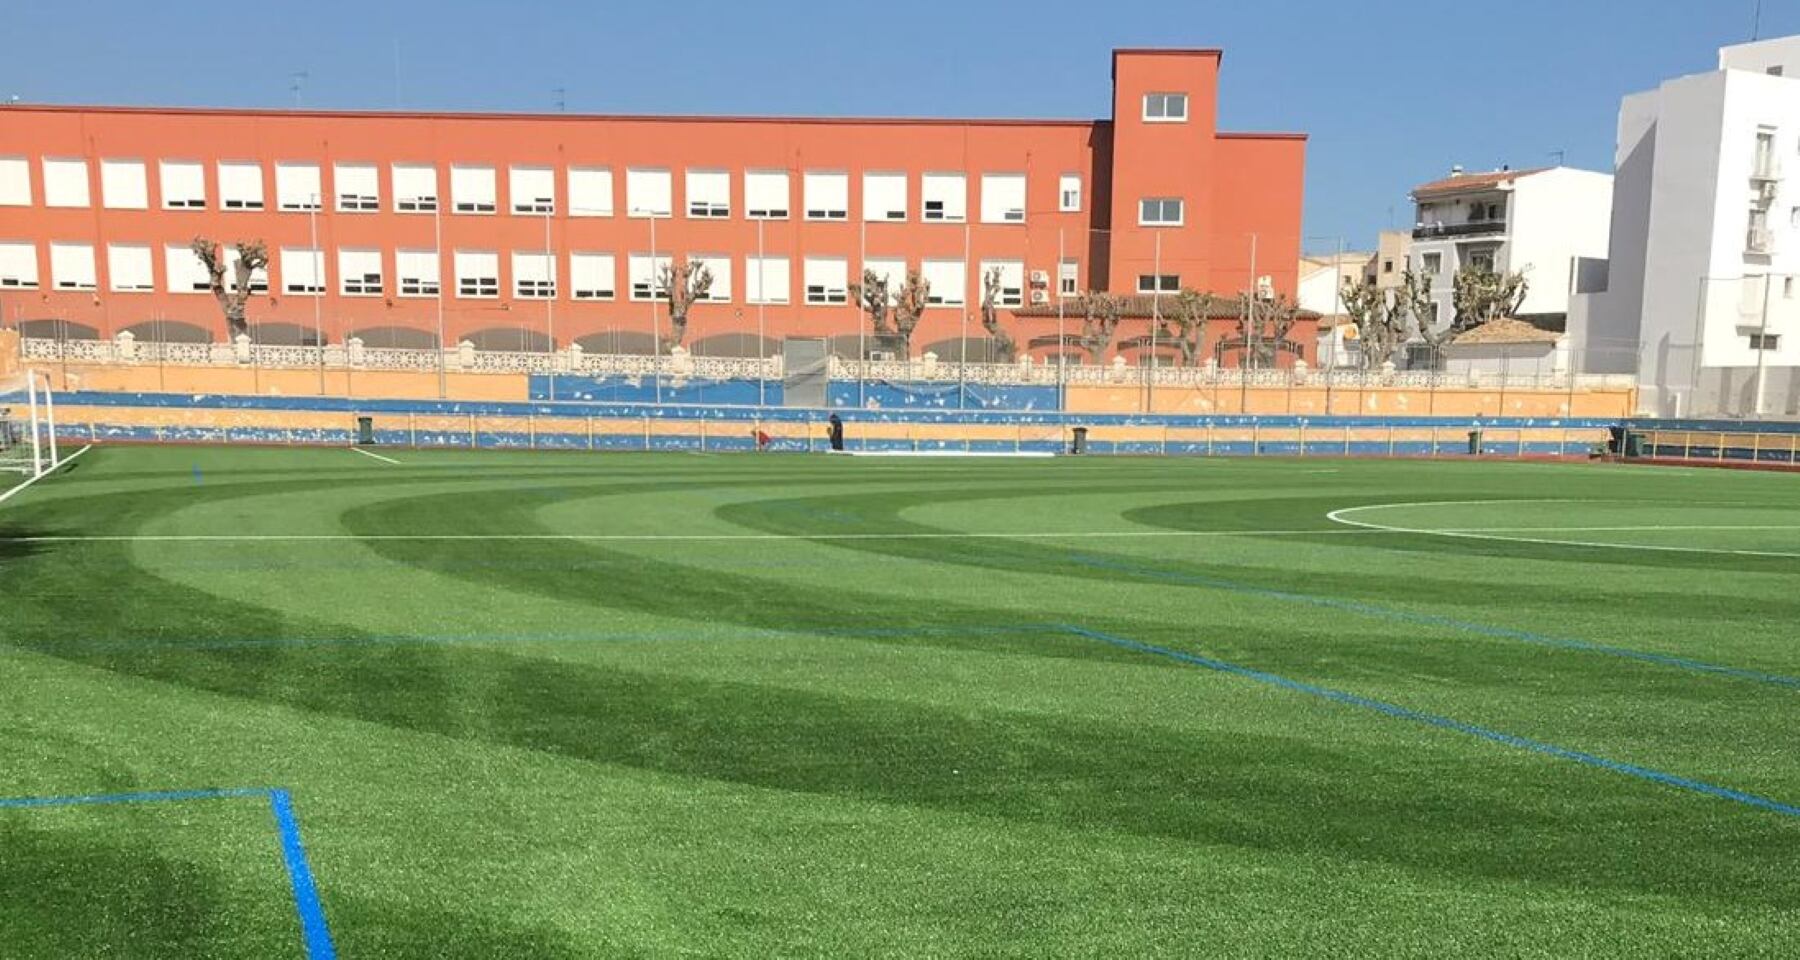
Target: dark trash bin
(1079, 446)
(1634, 445)
(1474, 443)
(365, 431)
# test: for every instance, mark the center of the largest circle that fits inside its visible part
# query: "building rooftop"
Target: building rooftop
(1460, 182)
(1506, 330)
(1143, 306)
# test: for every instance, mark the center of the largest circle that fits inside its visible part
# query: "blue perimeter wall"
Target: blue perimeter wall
(840, 394)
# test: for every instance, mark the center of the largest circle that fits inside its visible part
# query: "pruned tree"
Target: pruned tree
(1263, 327)
(1380, 317)
(1184, 322)
(877, 302)
(990, 315)
(1479, 295)
(1100, 313)
(233, 299)
(681, 286)
(909, 308)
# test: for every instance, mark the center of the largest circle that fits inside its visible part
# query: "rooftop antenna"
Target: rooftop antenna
(295, 81)
(1756, 23)
(1558, 156)
(562, 102)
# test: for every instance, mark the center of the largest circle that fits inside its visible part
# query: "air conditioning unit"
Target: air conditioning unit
(1040, 296)
(1265, 288)
(1766, 191)
(1040, 278)
(881, 354)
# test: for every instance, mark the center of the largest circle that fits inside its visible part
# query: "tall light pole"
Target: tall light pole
(1249, 336)
(655, 334)
(550, 300)
(962, 366)
(1155, 324)
(437, 242)
(762, 307)
(318, 259)
(1062, 360)
(862, 347)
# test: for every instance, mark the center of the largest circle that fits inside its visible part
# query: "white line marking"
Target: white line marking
(1478, 533)
(8, 495)
(680, 537)
(376, 456)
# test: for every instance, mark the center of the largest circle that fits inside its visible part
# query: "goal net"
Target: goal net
(27, 426)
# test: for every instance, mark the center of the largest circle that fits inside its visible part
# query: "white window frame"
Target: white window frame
(179, 265)
(408, 262)
(707, 191)
(1161, 209)
(534, 274)
(124, 259)
(759, 274)
(941, 180)
(1069, 186)
(586, 183)
(177, 195)
(935, 297)
(259, 278)
(1163, 283)
(354, 277)
(54, 193)
(826, 280)
(1013, 296)
(16, 173)
(1157, 103)
(593, 276)
(243, 203)
(645, 273)
(719, 264)
(1068, 277)
(468, 198)
(345, 175)
(22, 253)
(825, 195)
(892, 269)
(892, 210)
(292, 278)
(995, 204)
(407, 178)
(474, 283)
(520, 181)
(759, 182)
(72, 266)
(124, 185)
(299, 187)
(638, 181)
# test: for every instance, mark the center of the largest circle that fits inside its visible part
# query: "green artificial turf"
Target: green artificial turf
(576, 705)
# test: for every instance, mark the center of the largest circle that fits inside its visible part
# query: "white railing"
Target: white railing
(682, 366)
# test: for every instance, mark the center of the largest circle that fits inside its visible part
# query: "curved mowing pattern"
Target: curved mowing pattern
(654, 705)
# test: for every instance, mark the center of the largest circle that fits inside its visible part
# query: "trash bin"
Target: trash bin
(1634, 445)
(1080, 444)
(1474, 443)
(365, 431)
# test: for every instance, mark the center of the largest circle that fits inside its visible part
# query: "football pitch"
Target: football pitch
(310, 703)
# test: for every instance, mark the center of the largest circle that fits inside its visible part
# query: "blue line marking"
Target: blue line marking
(1434, 620)
(306, 894)
(313, 930)
(1445, 723)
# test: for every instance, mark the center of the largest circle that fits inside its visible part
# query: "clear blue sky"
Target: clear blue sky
(1392, 92)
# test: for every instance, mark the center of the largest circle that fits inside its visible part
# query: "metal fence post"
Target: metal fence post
(1303, 438)
(1390, 441)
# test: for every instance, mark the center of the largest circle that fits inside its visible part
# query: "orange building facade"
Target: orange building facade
(533, 231)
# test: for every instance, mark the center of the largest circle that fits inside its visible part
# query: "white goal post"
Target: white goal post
(28, 426)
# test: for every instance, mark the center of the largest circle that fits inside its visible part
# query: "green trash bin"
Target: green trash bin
(1079, 446)
(365, 431)
(1474, 443)
(1634, 445)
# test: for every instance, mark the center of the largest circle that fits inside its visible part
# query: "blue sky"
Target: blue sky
(1392, 92)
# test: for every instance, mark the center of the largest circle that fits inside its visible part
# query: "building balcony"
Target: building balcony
(1474, 228)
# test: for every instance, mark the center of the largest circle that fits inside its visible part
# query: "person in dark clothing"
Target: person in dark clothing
(835, 431)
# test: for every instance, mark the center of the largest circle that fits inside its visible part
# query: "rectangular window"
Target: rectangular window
(708, 194)
(891, 269)
(15, 182)
(240, 185)
(1482, 260)
(649, 192)
(884, 197)
(359, 272)
(1765, 342)
(259, 278)
(766, 279)
(1159, 212)
(766, 194)
(647, 274)
(65, 183)
(1068, 193)
(534, 275)
(418, 270)
(531, 190)
(1012, 281)
(1068, 278)
(1432, 264)
(297, 187)
(944, 197)
(1159, 283)
(477, 274)
(1165, 107)
(472, 190)
(949, 282)
(128, 268)
(827, 280)
(358, 187)
(183, 185)
(590, 192)
(827, 194)
(183, 272)
(415, 188)
(18, 266)
(72, 266)
(719, 265)
(593, 276)
(302, 270)
(1002, 198)
(123, 186)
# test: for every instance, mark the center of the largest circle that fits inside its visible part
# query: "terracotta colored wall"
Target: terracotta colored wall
(249, 381)
(9, 353)
(1117, 165)
(1382, 401)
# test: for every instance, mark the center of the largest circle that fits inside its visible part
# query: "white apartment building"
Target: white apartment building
(1549, 224)
(1706, 240)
